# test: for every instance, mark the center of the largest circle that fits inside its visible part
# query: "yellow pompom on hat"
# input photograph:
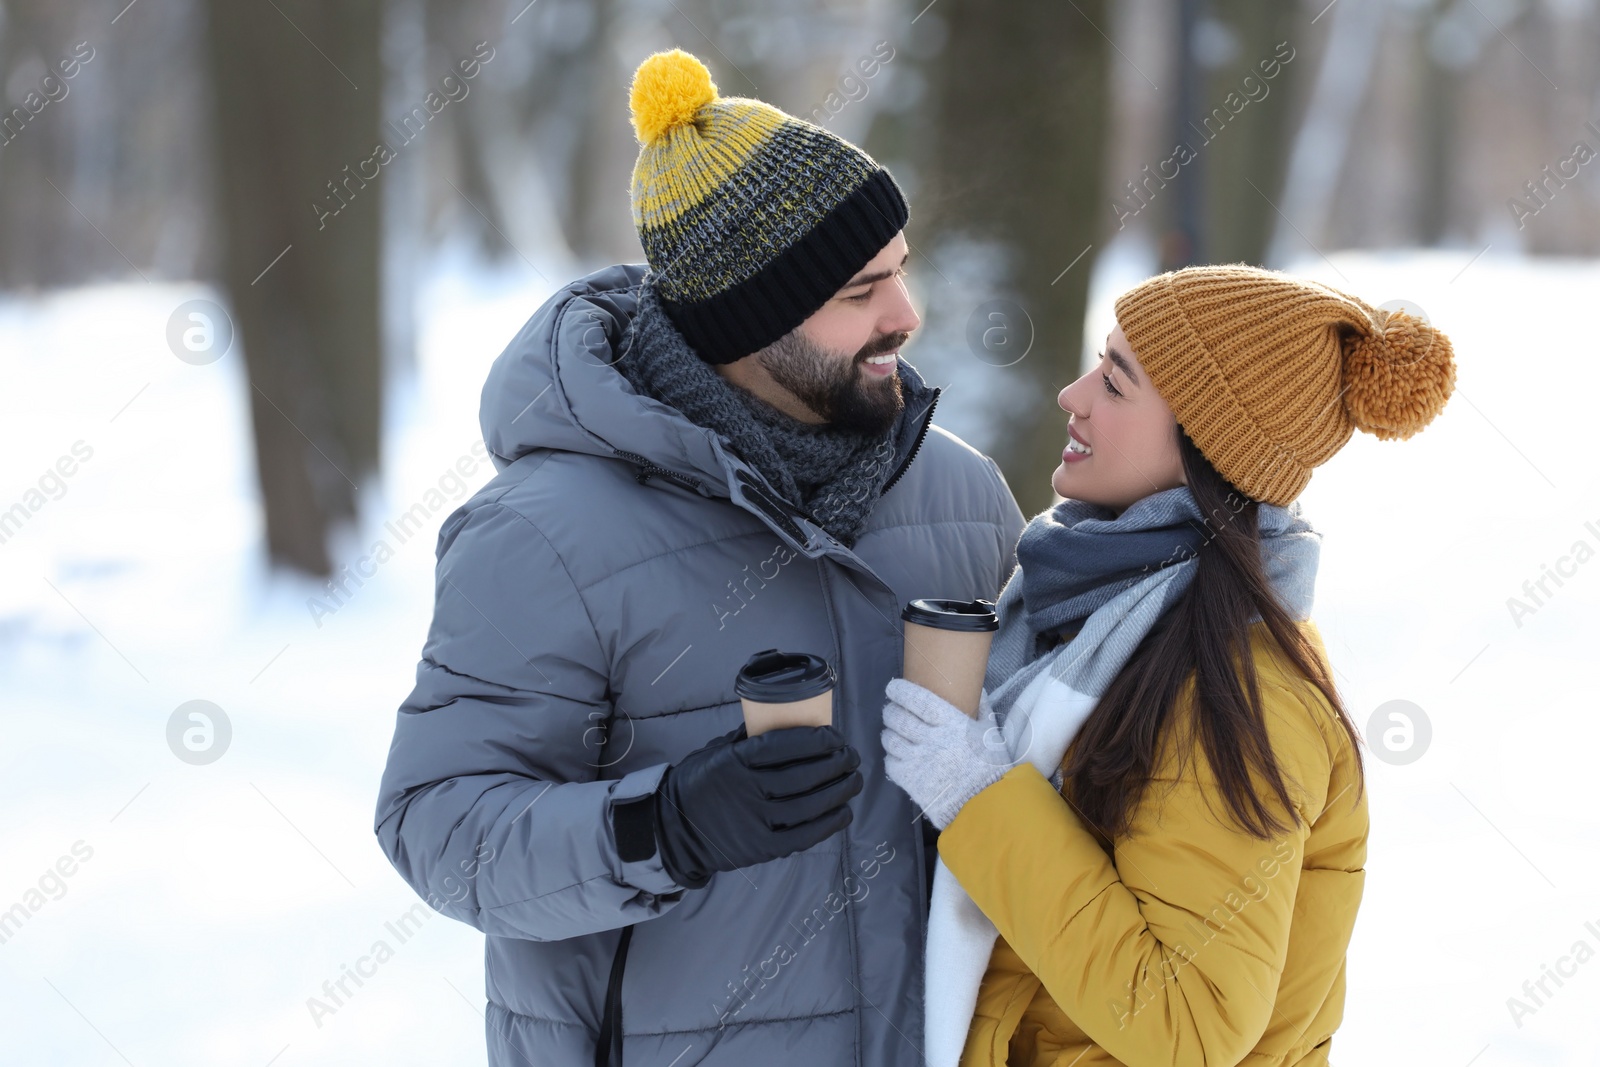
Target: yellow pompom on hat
(668, 91)
(750, 218)
(1270, 375)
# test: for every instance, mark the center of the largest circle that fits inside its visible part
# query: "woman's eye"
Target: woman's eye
(1109, 387)
(862, 299)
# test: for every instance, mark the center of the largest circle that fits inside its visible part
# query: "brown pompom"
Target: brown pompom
(1397, 376)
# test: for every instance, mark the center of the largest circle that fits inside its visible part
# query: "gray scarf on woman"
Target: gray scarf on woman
(1111, 579)
(835, 476)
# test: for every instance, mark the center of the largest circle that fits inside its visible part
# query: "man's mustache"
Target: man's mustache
(886, 343)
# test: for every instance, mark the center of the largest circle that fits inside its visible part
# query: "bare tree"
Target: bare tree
(1017, 131)
(1243, 164)
(297, 97)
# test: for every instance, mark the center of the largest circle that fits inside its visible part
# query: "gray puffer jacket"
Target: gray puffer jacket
(593, 603)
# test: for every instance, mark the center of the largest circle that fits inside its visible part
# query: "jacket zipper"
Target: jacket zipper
(780, 511)
(647, 469)
(608, 1046)
(927, 420)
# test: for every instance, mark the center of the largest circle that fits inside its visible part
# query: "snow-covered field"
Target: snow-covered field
(172, 913)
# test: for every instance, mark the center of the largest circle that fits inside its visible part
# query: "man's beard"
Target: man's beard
(837, 388)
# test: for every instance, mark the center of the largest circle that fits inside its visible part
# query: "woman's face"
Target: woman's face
(1127, 429)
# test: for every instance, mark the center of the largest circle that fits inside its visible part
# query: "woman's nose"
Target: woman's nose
(1078, 396)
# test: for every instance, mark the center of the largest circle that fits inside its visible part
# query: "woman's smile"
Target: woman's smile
(1077, 448)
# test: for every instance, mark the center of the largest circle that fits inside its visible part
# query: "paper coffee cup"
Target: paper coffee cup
(783, 689)
(947, 648)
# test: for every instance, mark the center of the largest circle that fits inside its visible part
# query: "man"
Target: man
(721, 455)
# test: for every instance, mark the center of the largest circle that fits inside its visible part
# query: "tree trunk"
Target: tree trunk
(1020, 98)
(1438, 87)
(297, 97)
(1242, 168)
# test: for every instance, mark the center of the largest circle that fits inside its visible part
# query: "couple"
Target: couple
(1147, 849)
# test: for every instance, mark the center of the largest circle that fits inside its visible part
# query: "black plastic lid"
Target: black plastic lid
(966, 616)
(774, 677)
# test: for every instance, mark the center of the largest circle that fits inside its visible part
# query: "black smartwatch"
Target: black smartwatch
(633, 822)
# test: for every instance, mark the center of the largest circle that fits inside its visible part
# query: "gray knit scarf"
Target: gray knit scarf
(1111, 579)
(836, 477)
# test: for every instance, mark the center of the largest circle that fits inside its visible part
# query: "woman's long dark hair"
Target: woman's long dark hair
(1206, 634)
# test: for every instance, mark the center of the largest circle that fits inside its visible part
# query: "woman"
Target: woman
(1154, 835)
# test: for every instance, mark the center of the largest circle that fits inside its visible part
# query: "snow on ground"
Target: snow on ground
(186, 914)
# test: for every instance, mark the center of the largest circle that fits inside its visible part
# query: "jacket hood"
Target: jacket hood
(555, 387)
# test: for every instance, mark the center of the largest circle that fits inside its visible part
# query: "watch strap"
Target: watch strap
(633, 822)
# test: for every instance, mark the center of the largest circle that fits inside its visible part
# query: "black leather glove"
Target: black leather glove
(744, 800)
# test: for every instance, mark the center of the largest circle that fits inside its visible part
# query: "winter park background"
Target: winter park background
(158, 911)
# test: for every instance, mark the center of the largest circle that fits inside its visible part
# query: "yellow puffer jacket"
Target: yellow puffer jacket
(1192, 943)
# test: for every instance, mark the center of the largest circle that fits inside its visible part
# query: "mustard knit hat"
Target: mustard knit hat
(1270, 375)
(750, 218)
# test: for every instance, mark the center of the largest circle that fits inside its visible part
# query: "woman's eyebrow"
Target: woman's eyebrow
(1122, 363)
